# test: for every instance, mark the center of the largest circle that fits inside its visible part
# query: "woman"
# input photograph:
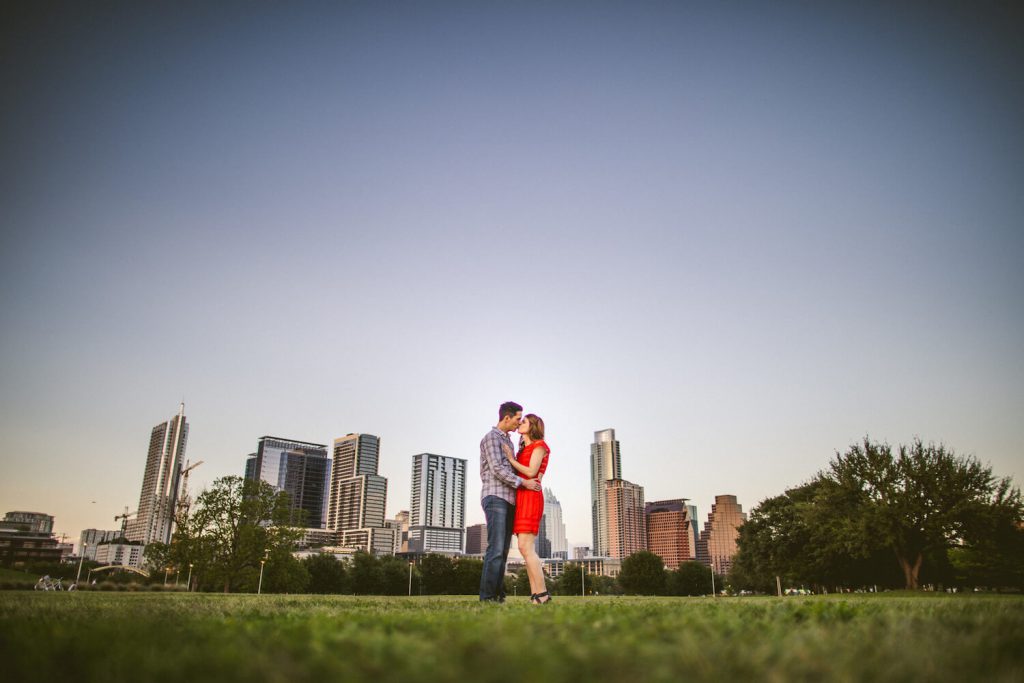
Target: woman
(531, 463)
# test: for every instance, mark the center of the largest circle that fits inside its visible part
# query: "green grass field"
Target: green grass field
(191, 637)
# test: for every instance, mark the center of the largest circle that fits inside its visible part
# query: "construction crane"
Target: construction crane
(124, 522)
(184, 500)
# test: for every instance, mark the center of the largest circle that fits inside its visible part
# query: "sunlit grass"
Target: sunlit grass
(187, 637)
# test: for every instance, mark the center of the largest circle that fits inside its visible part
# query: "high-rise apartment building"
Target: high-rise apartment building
(154, 520)
(605, 465)
(299, 468)
(551, 540)
(359, 495)
(717, 544)
(476, 539)
(627, 528)
(669, 531)
(438, 510)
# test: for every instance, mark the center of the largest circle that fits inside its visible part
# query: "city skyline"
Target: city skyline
(745, 237)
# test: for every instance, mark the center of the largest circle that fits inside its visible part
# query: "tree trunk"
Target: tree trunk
(911, 571)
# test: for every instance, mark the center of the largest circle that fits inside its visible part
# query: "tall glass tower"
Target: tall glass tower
(301, 469)
(605, 465)
(154, 521)
(551, 537)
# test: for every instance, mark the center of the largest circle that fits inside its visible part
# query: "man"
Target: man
(498, 498)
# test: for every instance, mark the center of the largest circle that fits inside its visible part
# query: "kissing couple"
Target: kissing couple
(512, 499)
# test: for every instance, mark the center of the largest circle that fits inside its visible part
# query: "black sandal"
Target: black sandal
(536, 599)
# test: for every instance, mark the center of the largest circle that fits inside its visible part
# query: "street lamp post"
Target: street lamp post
(410, 578)
(583, 580)
(80, 561)
(167, 572)
(189, 582)
(259, 589)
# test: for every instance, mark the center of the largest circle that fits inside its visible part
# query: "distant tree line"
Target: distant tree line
(919, 514)
(903, 518)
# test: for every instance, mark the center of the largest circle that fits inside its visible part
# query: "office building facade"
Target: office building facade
(670, 532)
(476, 539)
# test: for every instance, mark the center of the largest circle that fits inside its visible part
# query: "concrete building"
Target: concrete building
(627, 527)
(90, 538)
(438, 507)
(670, 532)
(717, 544)
(605, 465)
(161, 477)
(300, 469)
(359, 495)
(19, 547)
(35, 522)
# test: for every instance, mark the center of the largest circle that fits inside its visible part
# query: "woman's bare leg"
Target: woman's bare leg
(534, 569)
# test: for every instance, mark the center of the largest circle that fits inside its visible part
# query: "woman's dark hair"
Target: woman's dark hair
(508, 409)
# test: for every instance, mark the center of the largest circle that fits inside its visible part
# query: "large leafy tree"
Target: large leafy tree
(327, 574)
(437, 574)
(690, 578)
(643, 573)
(236, 524)
(918, 502)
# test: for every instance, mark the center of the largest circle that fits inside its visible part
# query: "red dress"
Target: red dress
(529, 504)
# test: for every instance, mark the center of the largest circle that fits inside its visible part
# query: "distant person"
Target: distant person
(499, 483)
(531, 462)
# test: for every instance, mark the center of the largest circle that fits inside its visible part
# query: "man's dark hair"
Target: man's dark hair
(509, 409)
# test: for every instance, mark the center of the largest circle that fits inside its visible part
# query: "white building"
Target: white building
(120, 554)
(91, 538)
(437, 516)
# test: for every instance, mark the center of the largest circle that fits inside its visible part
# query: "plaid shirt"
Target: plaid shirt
(497, 477)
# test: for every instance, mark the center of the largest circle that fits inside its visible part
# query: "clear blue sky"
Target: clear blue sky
(744, 236)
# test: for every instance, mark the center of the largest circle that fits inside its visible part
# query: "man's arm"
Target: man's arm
(496, 461)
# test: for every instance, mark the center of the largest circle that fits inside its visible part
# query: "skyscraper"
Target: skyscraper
(551, 536)
(299, 468)
(154, 520)
(359, 495)
(717, 544)
(627, 528)
(605, 465)
(669, 531)
(476, 539)
(438, 511)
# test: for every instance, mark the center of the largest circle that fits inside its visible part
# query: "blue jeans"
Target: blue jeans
(499, 515)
